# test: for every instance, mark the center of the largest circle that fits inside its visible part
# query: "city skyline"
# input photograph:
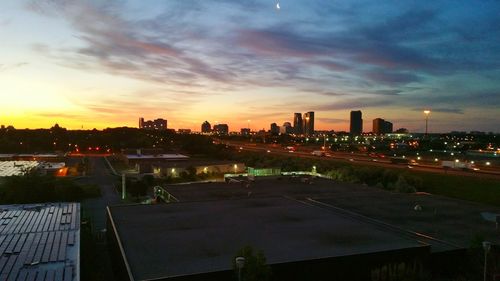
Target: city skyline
(101, 65)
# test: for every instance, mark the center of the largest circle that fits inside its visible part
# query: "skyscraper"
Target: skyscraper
(286, 128)
(141, 123)
(356, 127)
(206, 127)
(308, 123)
(380, 126)
(387, 127)
(297, 124)
(275, 129)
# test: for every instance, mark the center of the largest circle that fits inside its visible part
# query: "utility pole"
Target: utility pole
(124, 191)
(426, 112)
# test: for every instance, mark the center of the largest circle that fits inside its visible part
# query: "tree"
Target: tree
(255, 268)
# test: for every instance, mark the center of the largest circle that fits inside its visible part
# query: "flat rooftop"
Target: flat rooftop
(168, 240)
(40, 242)
(454, 221)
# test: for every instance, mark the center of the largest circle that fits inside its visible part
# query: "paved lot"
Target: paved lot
(96, 207)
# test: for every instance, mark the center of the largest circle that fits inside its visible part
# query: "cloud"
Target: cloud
(333, 120)
(62, 115)
(443, 110)
(346, 55)
(355, 103)
(392, 78)
(8, 67)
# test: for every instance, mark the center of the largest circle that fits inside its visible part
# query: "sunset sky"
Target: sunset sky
(106, 63)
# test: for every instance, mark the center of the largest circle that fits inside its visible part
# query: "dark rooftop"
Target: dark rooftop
(40, 242)
(452, 220)
(195, 237)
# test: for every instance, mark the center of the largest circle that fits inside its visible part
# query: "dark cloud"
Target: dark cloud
(355, 103)
(392, 77)
(388, 92)
(345, 53)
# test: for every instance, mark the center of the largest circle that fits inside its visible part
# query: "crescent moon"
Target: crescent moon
(278, 6)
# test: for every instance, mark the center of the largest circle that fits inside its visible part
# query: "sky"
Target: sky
(97, 64)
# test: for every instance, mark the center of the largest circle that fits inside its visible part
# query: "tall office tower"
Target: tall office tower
(275, 129)
(378, 125)
(381, 126)
(308, 121)
(141, 123)
(356, 127)
(206, 127)
(297, 124)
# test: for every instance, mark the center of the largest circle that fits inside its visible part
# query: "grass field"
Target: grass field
(462, 187)
(476, 189)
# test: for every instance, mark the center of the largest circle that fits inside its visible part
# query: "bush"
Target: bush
(403, 186)
(255, 268)
(35, 188)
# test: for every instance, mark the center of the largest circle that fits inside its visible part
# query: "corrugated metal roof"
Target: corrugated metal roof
(16, 168)
(40, 242)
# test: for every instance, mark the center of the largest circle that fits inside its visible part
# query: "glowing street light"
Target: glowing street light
(426, 112)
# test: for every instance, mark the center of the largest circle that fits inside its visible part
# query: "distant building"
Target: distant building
(245, 131)
(286, 128)
(157, 124)
(206, 127)
(298, 129)
(221, 129)
(308, 123)
(388, 127)
(402, 131)
(184, 131)
(275, 129)
(380, 126)
(356, 127)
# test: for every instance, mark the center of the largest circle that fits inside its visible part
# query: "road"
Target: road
(102, 177)
(363, 159)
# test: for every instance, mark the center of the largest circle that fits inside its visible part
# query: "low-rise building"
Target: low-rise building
(40, 242)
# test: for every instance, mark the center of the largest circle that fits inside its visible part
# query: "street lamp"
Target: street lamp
(426, 112)
(240, 263)
(486, 248)
(249, 124)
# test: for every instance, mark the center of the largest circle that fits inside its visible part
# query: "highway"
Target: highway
(361, 159)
